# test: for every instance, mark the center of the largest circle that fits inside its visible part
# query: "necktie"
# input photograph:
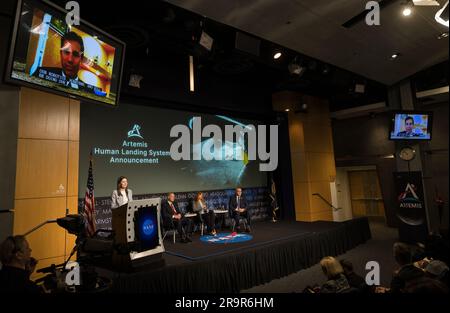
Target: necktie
(238, 200)
(173, 208)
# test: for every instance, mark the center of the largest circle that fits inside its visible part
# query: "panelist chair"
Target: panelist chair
(198, 222)
(170, 229)
(241, 219)
(200, 226)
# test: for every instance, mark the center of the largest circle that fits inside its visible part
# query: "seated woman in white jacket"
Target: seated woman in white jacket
(204, 214)
(121, 195)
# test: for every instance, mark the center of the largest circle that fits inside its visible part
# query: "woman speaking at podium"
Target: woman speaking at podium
(121, 195)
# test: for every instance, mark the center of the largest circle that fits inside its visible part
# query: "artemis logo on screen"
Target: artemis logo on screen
(241, 143)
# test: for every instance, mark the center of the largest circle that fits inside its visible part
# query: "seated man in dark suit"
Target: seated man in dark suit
(237, 207)
(15, 255)
(171, 214)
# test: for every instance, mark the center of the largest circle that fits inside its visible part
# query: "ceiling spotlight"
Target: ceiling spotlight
(301, 107)
(407, 11)
(442, 15)
(425, 3)
(277, 55)
(395, 56)
(443, 35)
(296, 69)
(286, 110)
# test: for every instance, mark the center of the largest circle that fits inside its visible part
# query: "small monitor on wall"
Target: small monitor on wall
(411, 125)
(80, 61)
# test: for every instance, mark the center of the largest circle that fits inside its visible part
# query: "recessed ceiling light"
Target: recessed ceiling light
(277, 55)
(407, 11)
(395, 56)
(442, 15)
(286, 110)
(443, 35)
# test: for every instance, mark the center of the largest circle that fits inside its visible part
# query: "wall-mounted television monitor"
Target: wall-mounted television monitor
(78, 61)
(411, 125)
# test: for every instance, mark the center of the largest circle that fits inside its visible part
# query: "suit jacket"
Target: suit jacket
(406, 134)
(58, 71)
(406, 274)
(118, 200)
(14, 280)
(197, 206)
(232, 204)
(167, 212)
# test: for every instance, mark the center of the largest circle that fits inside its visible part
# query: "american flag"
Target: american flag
(89, 202)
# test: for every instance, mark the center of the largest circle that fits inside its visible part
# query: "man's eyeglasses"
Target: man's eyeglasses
(76, 54)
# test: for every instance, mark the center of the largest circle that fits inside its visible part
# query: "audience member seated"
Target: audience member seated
(204, 214)
(17, 266)
(354, 280)
(437, 248)
(437, 270)
(407, 271)
(237, 207)
(172, 215)
(425, 285)
(336, 283)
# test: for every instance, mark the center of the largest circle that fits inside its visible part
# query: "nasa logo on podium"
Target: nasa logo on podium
(148, 227)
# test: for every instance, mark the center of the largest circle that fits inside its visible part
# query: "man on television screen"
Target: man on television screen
(71, 55)
(409, 129)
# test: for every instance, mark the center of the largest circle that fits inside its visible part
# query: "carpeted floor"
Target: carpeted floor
(379, 249)
(263, 233)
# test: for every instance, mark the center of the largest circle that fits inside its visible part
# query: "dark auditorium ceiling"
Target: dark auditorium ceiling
(314, 28)
(162, 32)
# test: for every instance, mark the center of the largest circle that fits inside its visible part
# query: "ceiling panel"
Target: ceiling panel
(313, 27)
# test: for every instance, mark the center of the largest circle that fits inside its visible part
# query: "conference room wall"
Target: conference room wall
(312, 155)
(362, 141)
(46, 171)
(435, 164)
(9, 106)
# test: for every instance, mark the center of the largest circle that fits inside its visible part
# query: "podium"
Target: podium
(137, 232)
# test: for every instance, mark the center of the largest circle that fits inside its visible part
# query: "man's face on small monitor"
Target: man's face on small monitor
(409, 125)
(70, 58)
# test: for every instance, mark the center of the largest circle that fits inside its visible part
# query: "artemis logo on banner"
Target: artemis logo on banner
(373, 16)
(73, 276)
(214, 148)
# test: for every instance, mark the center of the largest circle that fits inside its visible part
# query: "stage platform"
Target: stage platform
(276, 250)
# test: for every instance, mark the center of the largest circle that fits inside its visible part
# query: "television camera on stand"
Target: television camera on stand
(134, 241)
(93, 250)
(137, 233)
